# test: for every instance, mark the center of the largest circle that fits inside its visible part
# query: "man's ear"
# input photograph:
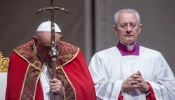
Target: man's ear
(115, 29)
(140, 28)
(35, 39)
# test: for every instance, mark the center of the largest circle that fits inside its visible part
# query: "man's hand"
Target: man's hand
(135, 81)
(139, 83)
(56, 86)
(127, 85)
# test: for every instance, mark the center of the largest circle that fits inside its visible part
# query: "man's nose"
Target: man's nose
(128, 29)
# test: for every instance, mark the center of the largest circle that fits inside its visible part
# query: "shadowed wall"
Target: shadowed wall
(19, 22)
(89, 25)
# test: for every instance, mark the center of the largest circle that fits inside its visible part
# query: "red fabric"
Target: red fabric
(77, 72)
(15, 77)
(16, 74)
(120, 97)
(80, 78)
(151, 95)
(39, 92)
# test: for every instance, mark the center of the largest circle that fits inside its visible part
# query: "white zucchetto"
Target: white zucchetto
(46, 27)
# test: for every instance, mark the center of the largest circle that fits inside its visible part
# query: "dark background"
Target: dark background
(89, 24)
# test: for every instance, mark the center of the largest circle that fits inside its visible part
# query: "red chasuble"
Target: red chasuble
(23, 82)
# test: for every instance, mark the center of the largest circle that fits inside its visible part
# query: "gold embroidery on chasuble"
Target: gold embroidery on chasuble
(67, 53)
(33, 71)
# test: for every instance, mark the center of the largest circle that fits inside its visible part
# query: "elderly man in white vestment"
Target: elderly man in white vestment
(129, 71)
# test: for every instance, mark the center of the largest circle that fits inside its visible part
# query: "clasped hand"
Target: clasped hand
(135, 81)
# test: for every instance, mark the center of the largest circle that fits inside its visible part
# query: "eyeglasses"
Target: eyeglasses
(125, 25)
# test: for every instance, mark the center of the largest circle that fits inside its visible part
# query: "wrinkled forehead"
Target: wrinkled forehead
(127, 17)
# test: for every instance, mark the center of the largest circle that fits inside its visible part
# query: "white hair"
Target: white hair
(116, 15)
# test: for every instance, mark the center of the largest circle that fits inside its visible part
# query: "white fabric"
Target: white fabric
(130, 65)
(46, 27)
(109, 68)
(3, 82)
(45, 76)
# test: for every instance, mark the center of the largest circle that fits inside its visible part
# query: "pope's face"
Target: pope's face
(127, 28)
(44, 45)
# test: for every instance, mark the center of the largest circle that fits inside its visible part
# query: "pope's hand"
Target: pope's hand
(56, 86)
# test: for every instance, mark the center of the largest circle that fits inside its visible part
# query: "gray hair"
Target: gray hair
(116, 15)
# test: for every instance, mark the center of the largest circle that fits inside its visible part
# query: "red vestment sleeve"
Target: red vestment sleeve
(151, 95)
(80, 77)
(120, 97)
